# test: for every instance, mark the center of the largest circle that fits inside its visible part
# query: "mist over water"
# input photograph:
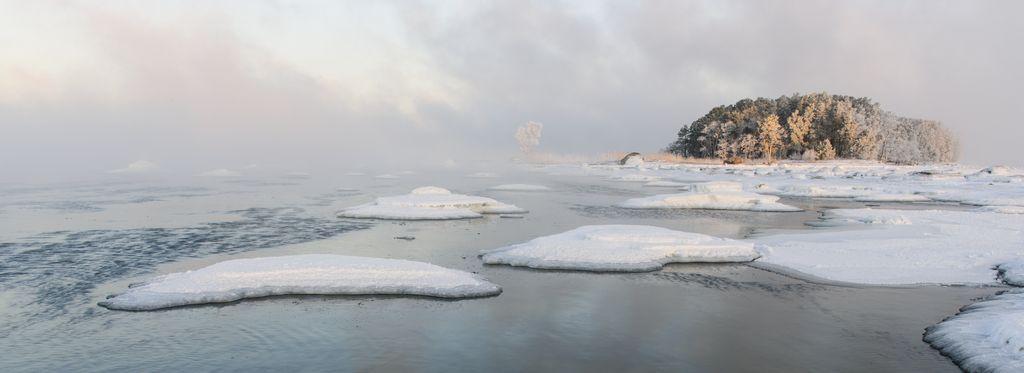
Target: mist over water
(311, 85)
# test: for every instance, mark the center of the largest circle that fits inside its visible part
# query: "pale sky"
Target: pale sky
(91, 86)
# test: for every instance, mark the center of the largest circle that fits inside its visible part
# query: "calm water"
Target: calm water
(64, 248)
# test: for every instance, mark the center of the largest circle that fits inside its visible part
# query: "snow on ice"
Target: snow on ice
(623, 248)
(429, 203)
(318, 274)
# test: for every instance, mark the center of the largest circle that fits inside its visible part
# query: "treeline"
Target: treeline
(814, 126)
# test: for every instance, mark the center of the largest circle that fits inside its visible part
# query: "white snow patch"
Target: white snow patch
(624, 248)
(318, 274)
(429, 203)
(483, 175)
(520, 187)
(940, 247)
(385, 176)
(711, 201)
(987, 336)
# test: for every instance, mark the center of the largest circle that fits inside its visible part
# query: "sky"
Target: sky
(90, 86)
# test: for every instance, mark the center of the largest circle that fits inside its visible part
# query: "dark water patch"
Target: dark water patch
(60, 269)
(597, 189)
(722, 283)
(259, 182)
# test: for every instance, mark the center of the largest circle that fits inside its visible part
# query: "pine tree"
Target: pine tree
(770, 136)
(825, 150)
(799, 126)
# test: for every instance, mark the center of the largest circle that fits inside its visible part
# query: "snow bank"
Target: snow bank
(429, 203)
(902, 246)
(987, 336)
(300, 274)
(710, 201)
(519, 188)
(623, 248)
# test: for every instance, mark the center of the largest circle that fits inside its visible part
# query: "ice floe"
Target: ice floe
(624, 248)
(987, 336)
(318, 274)
(710, 201)
(429, 203)
(1012, 272)
(902, 246)
(519, 188)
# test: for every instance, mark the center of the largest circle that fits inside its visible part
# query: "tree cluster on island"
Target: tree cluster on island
(816, 126)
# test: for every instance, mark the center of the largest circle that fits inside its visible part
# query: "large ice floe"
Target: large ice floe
(987, 336)
(429, 203)
(875, 246)
(719, 195)
(315, 274)
(621, 248)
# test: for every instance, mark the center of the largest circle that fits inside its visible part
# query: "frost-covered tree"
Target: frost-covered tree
(748, 146)
(853, 127)
(769, 134)
(798, 126)
(825, 151)
(528, 136)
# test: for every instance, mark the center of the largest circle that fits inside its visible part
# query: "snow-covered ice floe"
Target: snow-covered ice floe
(1012, 272)
(987, 336)
(519, 188)
(621, 248)
(711, 196)
(317, 274)
(429, 203)
(901, 246)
